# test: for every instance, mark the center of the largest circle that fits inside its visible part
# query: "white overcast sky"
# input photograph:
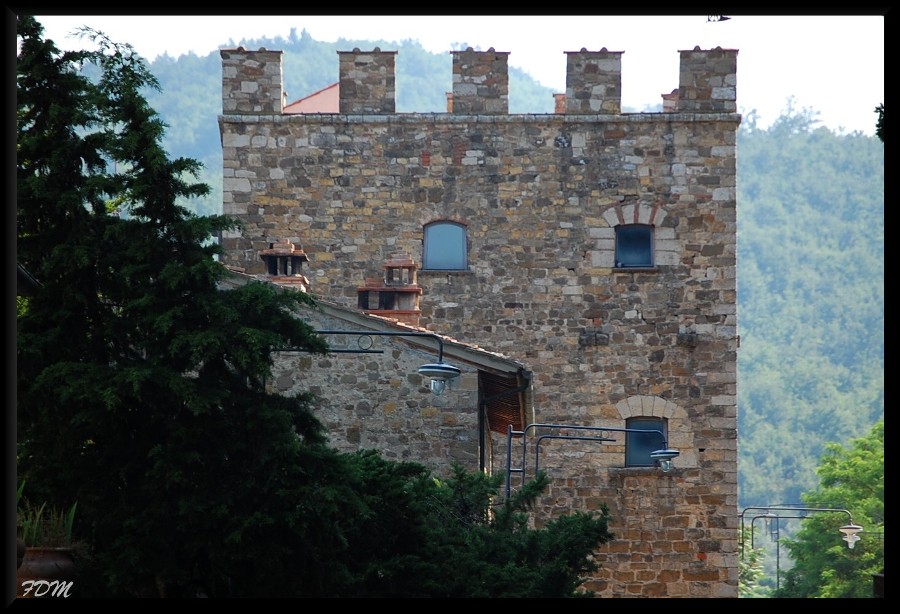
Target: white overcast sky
(833, 65)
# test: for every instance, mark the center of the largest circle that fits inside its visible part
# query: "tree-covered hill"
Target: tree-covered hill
(810, 249)
(810, 298)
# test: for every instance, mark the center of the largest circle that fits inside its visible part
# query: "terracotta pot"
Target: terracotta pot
(45, 572)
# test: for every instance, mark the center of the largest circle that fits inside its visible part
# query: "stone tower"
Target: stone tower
(595, 247)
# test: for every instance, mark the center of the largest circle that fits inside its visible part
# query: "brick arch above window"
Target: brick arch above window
(666, 247)
(646, 405)
(636, 213)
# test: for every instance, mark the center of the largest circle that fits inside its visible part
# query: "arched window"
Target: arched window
(634, 246)
(638, 446)
(445, 246)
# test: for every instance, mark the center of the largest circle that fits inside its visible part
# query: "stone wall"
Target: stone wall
(539, 196)
(379, 401)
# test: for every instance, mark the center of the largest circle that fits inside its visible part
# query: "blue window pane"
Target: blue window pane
(634, 246)
(638, 446)
(445, 247)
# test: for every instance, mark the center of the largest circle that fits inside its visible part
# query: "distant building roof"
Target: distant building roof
(326, 100)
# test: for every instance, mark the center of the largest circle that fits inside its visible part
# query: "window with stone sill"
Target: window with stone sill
(634, 246)
(638, 446)
(445, 247)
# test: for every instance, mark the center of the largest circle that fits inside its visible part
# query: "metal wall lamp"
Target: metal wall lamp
(439, 372)
(663, 456)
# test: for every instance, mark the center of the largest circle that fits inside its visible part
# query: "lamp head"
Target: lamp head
(850, 534)
(439, 373)
(664, 458)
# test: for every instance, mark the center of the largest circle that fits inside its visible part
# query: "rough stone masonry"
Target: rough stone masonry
(540, 198)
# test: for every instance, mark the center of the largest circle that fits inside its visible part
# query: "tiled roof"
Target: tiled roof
(326, 100)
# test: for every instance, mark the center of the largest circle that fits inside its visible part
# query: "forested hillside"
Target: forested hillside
(810, 249)
(810, 298)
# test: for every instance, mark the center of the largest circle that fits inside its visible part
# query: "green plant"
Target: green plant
(43, 526)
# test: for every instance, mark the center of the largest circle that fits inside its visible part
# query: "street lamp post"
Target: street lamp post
(773, 514)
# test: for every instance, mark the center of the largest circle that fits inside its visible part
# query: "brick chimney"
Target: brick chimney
(670, 101)
(284, 265)
(396, 294)
(559, 103)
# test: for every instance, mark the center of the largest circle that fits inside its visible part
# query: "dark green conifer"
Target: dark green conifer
(141, 389)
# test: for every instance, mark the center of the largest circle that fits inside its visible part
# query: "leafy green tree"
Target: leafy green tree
(750, 569)
(141, 389)
(851, 478)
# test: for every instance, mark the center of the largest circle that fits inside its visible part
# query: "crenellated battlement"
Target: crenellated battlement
(480, 82)
(707, 81)
(593, 82)
(367, 82)
(252, 82)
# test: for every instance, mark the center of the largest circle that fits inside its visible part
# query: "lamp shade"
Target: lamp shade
(439, 373)
(666, 454)
(850, 534)
(439, 370)
(664, 458)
